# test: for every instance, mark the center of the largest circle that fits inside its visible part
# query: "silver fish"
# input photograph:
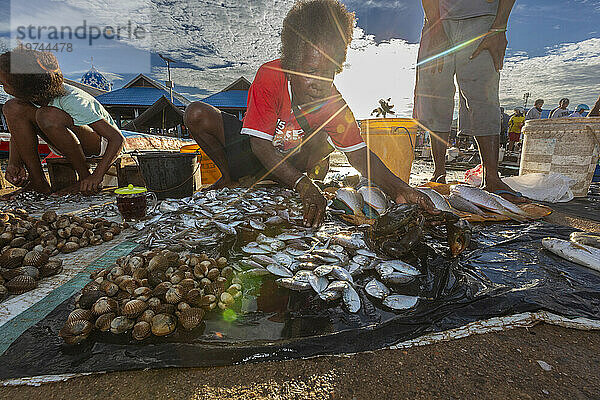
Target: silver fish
(283, 259)
(581, 254)
(294, 252)
(437, 199)
(402, 267)
(303, 275)
(513, 208)
(293, 284)
(354, 269)
(256, 272)
(338, 286)
(374, 198)
(254, 250)
(257, 225)
(339, 273)
(351, 299)
(350, 200)
(400, 301)
(227, 229)
(462, 204)
(318, 283)
(332, 256)
(390, 275)
(279, 270)
(287, 236)
(277, 245)
(264, 260)
(484, 200)
(330, 295)
(376, 289)
(263, 239)
(587, 239)
(323, 270)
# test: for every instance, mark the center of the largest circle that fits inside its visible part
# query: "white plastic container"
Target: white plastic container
(569, 146)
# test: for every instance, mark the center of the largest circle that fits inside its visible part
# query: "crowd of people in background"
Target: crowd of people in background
(512, 125)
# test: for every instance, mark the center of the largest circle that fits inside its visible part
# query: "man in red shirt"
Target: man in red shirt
(296, 117)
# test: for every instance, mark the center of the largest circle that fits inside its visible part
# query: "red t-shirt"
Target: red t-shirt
(270, 116)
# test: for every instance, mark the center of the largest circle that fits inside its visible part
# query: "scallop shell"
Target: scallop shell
(158, 262)
(191, 317)
(75, 332)
(227, 299)
(140, 273)
(187, 284)
(141, 330)
(29, 271)
(103, 322)
(70, 247)
(142, 291)
(174, 294)
(109, 288)
(18, 242)
(21, 284)
(154, 303)
(194, 297)
(90, 287)
(221, 262)
(12, 258)
(105, 305)
(166, 308)
(121, 324)
(88, 299)
(213, 274)
(201, 269)
(161, 289)
(52, 267)
(80, 314)
(8, 274)
(227, 272)
(77, 231)
(129, 285)
(163, 324)
(35, 258)
(133, 308)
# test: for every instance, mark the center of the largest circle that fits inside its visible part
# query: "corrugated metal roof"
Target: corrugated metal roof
(139, 96)
(229, 99)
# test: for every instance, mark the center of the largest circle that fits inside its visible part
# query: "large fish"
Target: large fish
(585, 238)
(484, 200)
(581, 254)
(437, 199)
(461, 204)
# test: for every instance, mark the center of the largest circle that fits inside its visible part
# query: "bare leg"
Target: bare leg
(511, 145)
(55, 125)
(488, 150)
(23, 128)
(439, 145)
(205, 124)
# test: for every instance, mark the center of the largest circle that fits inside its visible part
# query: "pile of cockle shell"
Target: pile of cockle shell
(28, 242)
(152, 293)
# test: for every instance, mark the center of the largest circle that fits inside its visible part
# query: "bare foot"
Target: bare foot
(500, 188)
(438, 178)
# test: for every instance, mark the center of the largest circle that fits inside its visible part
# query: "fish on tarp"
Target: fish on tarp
(461, 204)
(437, 199)
(484, 200)
(585, 238)
(581, 254)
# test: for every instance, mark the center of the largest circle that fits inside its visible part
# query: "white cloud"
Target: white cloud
(569, 70)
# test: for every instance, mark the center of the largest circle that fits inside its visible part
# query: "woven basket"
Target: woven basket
(569, 146)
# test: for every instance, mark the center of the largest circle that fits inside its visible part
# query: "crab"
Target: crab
(397, 231)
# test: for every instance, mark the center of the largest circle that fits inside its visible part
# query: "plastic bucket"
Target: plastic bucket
(568, 146)
(169, 174)
(210, 173)
(393, 140)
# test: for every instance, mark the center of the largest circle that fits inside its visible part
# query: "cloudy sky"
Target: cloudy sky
(554, 45)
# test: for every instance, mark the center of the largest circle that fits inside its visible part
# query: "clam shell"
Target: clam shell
(88, 299)
(29, 271)
(109, 288)
(227, 298)
(133, 308)
(19, 241)
(161, 289)
(90, 287)
(213, 274)
(194, 297)
(191, 317)
(141, 330)
(20, 284)
(80, 314)
(166, 308)
(75, 332)
(8, 274)
(174, 294)
(187, 284)
(163, 324)
(142, 291)
(121, 324)
(70, 247)
(49, 216)
(52, 267)
(129, 285)
(154, 303)
(105, 305)
(146, 316)
(12, 258)
(35, 258)
(103, 322)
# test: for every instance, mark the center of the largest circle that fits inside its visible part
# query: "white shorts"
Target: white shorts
(477, 81)
(103, 146)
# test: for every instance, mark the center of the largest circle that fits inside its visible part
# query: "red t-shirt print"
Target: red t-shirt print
(270, 116)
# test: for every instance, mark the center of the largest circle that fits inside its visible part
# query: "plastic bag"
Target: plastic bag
(552, 188)
(474, 176)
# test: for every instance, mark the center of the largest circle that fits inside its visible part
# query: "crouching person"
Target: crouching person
(72, 122)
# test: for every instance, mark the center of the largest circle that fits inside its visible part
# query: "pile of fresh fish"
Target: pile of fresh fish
(369, 201)
(152, 293)
(27, 243)
(582, 248)
(473, 200)
(101, 205)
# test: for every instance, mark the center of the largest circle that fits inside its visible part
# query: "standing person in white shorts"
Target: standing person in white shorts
(476, 65)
